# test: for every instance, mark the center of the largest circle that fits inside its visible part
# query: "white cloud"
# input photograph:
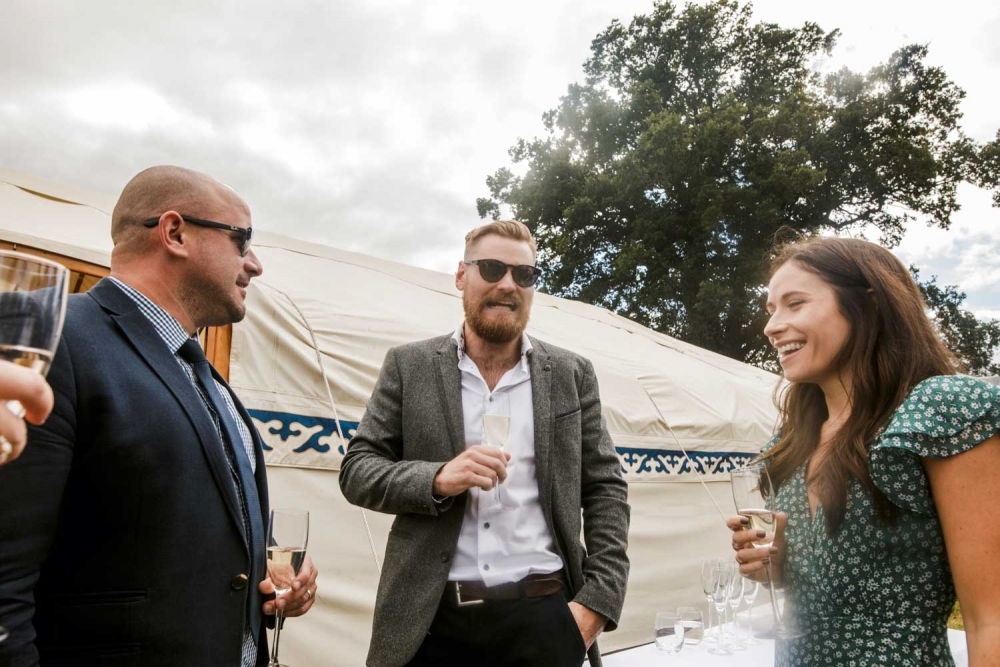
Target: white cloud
(372, 125)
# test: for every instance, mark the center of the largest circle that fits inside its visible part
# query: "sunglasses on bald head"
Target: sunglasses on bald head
(493, 271)
(242, 240)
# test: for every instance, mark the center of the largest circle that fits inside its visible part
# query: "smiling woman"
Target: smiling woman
(881, 452)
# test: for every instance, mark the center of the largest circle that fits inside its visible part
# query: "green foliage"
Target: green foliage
(974, 342)
(662, 180)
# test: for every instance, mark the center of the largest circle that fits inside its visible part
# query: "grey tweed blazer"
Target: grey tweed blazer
(413, 424)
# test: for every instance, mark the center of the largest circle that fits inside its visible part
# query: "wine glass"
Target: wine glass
(708, 588)
(287, 538)
(750, 589)
(722, 576)
(668, 632)
(754, 497)
(735, 598)
(32, 309)
(496, 430)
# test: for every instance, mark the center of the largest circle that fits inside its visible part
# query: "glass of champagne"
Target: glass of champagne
(496, 430)
(32, 309)
(754, 497)
(287, 538)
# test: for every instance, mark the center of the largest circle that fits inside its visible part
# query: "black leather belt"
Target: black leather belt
(466, 593)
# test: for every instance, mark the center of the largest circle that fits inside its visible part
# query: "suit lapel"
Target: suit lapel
(451, 389)
(541, 396)
(140, 332)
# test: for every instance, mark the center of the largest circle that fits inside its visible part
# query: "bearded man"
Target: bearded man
(477, 575)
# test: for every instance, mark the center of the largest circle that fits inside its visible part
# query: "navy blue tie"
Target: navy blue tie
(192, 353)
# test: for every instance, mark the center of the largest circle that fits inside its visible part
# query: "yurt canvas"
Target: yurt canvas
(306, 358)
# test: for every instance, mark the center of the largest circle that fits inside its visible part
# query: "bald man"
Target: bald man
(132, 526)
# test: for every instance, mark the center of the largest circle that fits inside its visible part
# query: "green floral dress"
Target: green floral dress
(871, 594)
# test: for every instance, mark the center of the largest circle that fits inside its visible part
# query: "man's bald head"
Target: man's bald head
(153, 191)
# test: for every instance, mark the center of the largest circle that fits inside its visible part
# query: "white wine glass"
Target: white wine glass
(32, 309)
(287, 539)
(708, 588)
(754, 498)
(750, 589)
(496, 431)
(722, 574)
(735, 598)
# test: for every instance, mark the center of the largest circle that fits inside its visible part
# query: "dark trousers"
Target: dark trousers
(527, 632)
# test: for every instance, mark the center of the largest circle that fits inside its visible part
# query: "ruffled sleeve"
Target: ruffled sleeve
(943, 416)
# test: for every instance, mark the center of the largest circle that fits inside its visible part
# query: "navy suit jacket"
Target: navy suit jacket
(121, 537)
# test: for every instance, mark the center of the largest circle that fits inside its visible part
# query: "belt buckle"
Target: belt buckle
(464, 603)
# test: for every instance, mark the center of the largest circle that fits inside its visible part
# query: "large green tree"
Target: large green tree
(975, 342)
(661, 182)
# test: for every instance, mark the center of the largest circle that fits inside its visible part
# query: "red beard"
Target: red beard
(492, 329)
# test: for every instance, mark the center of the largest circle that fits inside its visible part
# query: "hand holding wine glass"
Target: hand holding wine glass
(32, 309)
(287, 539)
(755, 501)
(496, 430)
(31, 392)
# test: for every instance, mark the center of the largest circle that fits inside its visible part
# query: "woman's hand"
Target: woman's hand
(751, 559)
(29, 389)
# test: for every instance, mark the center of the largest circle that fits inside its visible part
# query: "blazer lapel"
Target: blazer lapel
(451, 389)
(140, 332)
(541, 396)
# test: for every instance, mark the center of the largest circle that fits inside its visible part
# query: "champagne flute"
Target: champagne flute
(754, 497)
(496, 430)
(708, 588)
(722, 577)
(287, 538)
(32, 309)
(735, 598)
(750, 589)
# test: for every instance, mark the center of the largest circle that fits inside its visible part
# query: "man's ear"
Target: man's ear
(172, 234)
(460, 276)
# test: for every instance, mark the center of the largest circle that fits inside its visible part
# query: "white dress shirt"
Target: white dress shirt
(500, 546)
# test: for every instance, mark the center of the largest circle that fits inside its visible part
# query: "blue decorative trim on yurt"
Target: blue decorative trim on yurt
(298, 425)
(315, 433)
(674, 462)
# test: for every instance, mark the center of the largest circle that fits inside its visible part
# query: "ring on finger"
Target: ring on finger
(309, 594)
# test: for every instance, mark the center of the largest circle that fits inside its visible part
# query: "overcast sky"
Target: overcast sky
(371, 125)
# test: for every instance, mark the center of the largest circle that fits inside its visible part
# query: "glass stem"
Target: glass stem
(277, 635)
(774, 599)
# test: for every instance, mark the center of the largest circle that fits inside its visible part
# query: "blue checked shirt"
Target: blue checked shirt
(174, 336)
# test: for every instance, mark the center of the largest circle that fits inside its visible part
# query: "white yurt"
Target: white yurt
(306, 358)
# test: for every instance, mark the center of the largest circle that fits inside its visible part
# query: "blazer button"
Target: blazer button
(239, 582)
(445, 557)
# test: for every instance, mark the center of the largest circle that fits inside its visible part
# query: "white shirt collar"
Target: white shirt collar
(459, 338)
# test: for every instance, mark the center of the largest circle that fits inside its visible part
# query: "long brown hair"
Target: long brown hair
(891, 347)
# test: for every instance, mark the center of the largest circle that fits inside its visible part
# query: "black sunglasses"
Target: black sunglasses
(493, 271)
(245, 233)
